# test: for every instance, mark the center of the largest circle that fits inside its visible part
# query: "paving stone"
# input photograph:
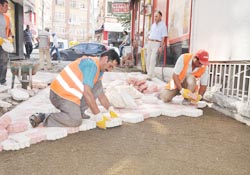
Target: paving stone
(3, 89)
(4, 95)
(16, 142)
(132, 117)
(4, 104)
(3, 134)
(54, 133)
(19, 94)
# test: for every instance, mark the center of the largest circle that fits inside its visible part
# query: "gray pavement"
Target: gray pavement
(209, 145)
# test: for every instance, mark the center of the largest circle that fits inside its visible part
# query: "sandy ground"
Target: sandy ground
(209, 145)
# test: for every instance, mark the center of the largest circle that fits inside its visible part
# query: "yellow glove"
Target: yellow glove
(186, 93)
(100, 120)
(1, 41)
(10, 39)
(196, 98)
(112, 112)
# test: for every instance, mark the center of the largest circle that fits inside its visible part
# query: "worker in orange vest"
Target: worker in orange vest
(190, 78)
(76, 88)
(5, 33)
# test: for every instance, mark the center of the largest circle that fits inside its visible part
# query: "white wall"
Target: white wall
(223, 28)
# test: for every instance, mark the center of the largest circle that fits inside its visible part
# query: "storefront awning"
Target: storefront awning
(113, 27)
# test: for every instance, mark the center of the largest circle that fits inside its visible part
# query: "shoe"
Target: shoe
(36, 119)
(149, 79)
(102, 124)
(186, 102)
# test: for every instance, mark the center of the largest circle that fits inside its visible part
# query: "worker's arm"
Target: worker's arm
(202, 90)
(90, 100)
(177, 81)
(104, 100)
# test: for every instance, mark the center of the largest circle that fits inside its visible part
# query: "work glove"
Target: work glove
(1, 41)
(10, 39)
(196, 97)
(186, 93)
(112, 112)
(100, 120)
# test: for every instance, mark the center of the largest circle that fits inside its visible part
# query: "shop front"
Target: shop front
(15, 13)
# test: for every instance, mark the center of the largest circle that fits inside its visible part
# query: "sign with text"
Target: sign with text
(120, 7)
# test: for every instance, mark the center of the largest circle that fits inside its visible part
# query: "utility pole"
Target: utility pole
(42, 14)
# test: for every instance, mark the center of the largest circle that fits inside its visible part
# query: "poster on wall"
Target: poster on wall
(179, 20)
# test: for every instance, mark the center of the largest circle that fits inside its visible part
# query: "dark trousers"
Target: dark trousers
(3, 65)
(70, 114)
(121, 49)
(29, 48)
(57, 52)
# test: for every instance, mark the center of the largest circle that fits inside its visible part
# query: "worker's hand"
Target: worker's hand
(100, 120)
(186, 93)
(10, 39)
(1, 41)
(196, 97)
(112, 112)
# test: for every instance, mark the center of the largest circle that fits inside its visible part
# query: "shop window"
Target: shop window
(60, 2)
(73, 3)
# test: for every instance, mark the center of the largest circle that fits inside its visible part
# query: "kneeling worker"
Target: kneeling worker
(188, 69)
(75, 89)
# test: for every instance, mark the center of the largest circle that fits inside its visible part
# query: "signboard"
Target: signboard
(120, 7)
(179, 20)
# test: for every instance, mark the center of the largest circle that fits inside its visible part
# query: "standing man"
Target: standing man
(188, 70)
(27, 37)
(44, 45)
(55, 47)
(75, 89)
(5, 33)
(156, 44)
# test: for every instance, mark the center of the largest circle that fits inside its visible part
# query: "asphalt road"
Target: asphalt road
(209, 145)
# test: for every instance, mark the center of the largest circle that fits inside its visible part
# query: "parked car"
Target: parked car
(79, 50)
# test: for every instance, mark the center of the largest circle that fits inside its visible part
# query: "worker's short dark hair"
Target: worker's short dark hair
(125, 32)
(3, 1)
(159, 12)
(112, 55)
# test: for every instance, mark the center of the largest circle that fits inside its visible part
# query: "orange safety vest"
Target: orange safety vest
(197, 74)
(68, 83)
(7, 28)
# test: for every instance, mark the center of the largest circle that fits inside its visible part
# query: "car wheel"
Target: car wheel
(64, 57)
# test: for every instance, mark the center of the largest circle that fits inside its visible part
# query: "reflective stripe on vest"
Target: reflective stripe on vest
(68, 83)
(197, 74)
(7, 28)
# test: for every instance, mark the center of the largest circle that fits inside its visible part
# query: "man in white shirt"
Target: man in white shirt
(55, 47)
(44, 45)
(156, 38)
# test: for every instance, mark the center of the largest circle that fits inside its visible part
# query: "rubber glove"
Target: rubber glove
(10, 39)
(112, 112)
(186, 93)
(1, 41)
(100, 120)
(197, 97)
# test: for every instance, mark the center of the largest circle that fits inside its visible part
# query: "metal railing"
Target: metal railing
(234, 79)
